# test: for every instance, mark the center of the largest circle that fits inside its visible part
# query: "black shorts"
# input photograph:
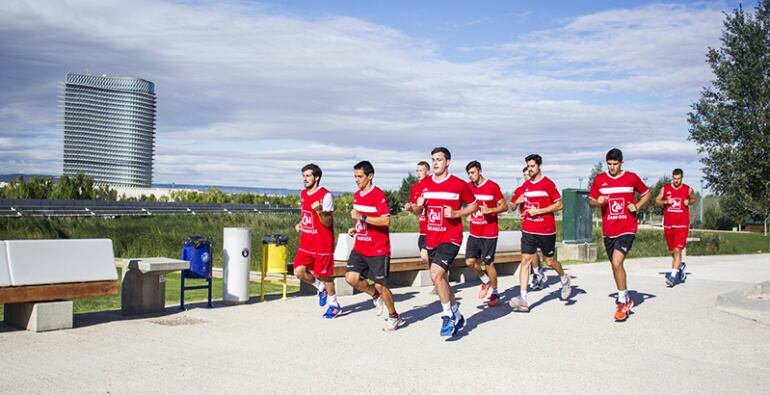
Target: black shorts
(481, 249)
(530, 242)
(443, 255)
(421, 243)
(375, 268)
(621, 243)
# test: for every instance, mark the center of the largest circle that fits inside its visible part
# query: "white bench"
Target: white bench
(38, 279)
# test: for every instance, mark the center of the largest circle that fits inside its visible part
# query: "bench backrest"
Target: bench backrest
(35, 262)
(404, 244)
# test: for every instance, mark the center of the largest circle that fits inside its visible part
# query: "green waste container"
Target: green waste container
(576, 216)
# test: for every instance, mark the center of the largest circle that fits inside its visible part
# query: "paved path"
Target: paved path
(677, 341)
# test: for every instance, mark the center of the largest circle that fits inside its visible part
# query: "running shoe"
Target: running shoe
(322, 296)
(391, 324)
(682, 272)
(493, 301)
(378, 305)
(543, 280)
(333, 311)
(622, 310)
(459, 323)
(566, 289)
(671, 280)
(519, 305)
(484, 290)
(447, 326)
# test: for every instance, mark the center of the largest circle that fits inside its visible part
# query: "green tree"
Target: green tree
(731, 120)
(596, 170)
(406, 188)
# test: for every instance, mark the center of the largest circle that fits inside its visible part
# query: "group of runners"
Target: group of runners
(441, 200)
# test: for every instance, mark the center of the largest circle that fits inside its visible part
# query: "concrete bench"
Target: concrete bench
(144, 283)
(407, 269)
(39, 278)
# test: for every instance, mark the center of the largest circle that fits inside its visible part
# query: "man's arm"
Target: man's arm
(691, 199)
(659, 199)
(555, 206)
(646, 196)
(597, 203)
(500, 208)
(464, 212)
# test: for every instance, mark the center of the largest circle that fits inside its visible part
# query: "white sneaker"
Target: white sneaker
(391, 324)
(519, 305)
(378, 305)
(566, 289)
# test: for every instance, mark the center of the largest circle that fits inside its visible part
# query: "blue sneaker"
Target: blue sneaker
(459, 324)
(682, 272)
(447, 326)
(322, 296)
(670, 280)
(333, 311)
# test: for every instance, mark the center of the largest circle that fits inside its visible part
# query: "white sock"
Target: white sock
(523, 295)
(456, 308)
(674, 272)
(447, 309)
(494, 291)
(485, 279)
(622, 296)
(333, 300)
(319, 285)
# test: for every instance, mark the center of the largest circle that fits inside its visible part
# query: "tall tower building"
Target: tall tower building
(109, 129)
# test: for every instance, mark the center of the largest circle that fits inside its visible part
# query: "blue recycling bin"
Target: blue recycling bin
(196, 250)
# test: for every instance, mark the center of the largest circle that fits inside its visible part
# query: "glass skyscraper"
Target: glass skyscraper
(109, 129)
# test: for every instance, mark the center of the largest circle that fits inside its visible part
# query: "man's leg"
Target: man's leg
(301, 273)
(387, 297)
(526, 261)
(440, 277)
(357, 282)
(677, 260)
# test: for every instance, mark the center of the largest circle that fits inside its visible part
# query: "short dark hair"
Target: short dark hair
(537, 158)
(677, 172)
(472, 164)
(366, 166)
(525, 169)
(443, 150)
(317, 173)
(424, 164)
(615, 154)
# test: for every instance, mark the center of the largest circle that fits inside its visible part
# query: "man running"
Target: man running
(422, 171)
(314, 261)
(676, 199)
(483, 232)
(539, 278)
(443, 196)
(613, 191)
(370, 258)
(538, 229)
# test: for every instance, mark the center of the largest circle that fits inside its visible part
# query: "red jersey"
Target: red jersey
(452, 192)
(538, 194)
(677, 214)
(487, 195)
(616, 219)
(414, 194)
(314, 236)
(371, 240)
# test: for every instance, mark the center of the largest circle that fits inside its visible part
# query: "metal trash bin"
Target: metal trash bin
(197, 250)
(236, 254)
(274, 253)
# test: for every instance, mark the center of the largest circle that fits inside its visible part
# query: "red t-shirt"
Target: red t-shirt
(616, 219)
(414, 194)
(538, 194)
(452, 192)
(371, 240)
(676, 215)
(314, 236)
(487, 195)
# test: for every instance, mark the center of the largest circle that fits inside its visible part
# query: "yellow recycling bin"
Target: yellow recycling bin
(274, 261)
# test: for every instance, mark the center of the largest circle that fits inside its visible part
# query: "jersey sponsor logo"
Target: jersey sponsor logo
(676, 204)
(528, 204)
(617, 206)
(307, 222)
(361, 229)
(435, 217)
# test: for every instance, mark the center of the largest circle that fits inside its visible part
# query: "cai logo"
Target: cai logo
(676, 204)
(307, 219)
(361, 228)
(477, 215)
(617, 205)
(435, 215)
(205, 257)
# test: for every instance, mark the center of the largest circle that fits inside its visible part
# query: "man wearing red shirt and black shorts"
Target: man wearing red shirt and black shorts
(482, 239)
(422, 171)
(314, 261)
(370, 257)
(539, 278)
(443, 198)
(676, 199)
(614, 192)
(541, 199)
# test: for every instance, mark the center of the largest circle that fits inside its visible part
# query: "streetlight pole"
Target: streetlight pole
(580, 182)
(702, 199)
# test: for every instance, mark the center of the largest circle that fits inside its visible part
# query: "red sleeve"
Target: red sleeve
(516, 195)
(498, 194)
(413, 194)
(553, 192)
(382, 205)
(594, 192)
(466, 195)
(639, 185)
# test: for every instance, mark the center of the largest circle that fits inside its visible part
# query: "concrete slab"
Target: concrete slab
(32, 262)
(5, 276)
(40, 316)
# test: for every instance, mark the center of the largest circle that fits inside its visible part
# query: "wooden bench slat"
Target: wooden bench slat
(66, 291)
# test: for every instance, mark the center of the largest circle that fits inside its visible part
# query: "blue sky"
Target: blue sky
(248, 92)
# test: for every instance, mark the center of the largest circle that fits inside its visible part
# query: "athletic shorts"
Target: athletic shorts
(481, 249)
(676, 238)
(375, 268)
(621, 243)
(443, 255)
(530, 242)
(421, 243)
(321, 265)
